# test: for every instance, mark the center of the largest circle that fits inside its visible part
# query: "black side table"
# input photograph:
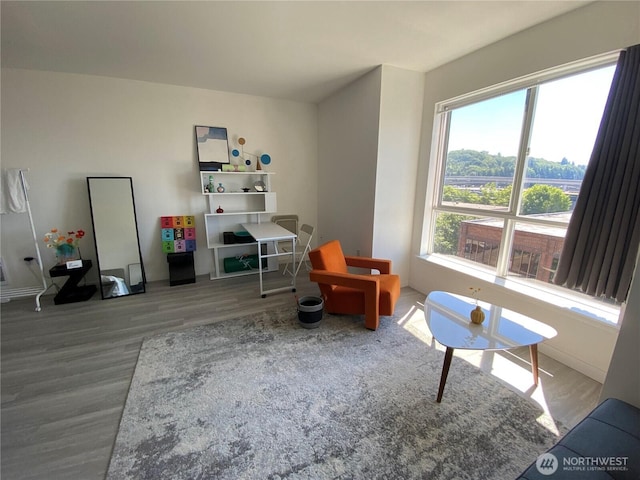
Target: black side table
(70, 291)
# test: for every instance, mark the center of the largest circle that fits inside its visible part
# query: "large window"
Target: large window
(511, 162)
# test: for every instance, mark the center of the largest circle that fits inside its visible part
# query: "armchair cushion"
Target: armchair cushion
(352, 300)
(329, 257)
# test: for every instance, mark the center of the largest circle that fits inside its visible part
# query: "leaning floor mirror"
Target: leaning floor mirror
(115, 232)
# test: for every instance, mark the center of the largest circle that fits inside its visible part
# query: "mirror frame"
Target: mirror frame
(95, 238)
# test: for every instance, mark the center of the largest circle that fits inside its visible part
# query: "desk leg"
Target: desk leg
(533, 350)
(294, 270)
(445, 371)
(262, 294)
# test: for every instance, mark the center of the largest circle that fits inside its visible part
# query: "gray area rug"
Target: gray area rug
(260, 397)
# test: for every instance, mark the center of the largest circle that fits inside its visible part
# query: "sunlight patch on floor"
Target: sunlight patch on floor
(514, 372)
(413, 322)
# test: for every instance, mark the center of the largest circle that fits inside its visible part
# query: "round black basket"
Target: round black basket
(310, 311)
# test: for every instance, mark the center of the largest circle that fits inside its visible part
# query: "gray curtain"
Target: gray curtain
(601, 244)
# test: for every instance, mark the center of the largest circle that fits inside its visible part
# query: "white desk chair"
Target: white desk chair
(304, 238)
(288, 221)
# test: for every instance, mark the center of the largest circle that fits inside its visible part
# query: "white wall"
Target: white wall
(347, 160)
(66, 127)
(597, 28)
(398, 148)
(369, 138)
(623, 377)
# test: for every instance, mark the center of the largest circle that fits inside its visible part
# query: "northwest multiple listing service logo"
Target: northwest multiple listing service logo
(548, 463)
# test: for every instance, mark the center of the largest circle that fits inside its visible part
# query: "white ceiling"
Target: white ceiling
(294, 50)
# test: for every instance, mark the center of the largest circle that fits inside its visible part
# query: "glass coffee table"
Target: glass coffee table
(447, 316)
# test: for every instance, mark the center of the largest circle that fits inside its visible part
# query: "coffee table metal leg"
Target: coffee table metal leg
(445, 371)
(533, 349)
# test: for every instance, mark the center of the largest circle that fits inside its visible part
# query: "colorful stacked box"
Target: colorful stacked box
(178, 234)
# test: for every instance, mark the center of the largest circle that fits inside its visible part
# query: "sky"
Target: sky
(566, 122)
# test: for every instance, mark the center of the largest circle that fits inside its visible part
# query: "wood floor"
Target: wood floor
(66, 370)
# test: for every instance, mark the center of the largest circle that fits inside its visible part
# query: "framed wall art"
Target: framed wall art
(212, 147)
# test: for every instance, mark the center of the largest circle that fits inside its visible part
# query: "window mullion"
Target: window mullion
(508, 231)
(506, 242)
(443, 148)
(523, 151)
(436, 195)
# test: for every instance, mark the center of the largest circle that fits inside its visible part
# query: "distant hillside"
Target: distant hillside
(471, 162)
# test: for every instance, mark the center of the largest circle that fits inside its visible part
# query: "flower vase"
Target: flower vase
(477, 315)
(65, 253)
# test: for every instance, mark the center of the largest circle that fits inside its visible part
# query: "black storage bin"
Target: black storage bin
(181, 269)
(228, 238)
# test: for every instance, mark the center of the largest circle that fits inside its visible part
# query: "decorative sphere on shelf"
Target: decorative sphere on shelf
(265, 158)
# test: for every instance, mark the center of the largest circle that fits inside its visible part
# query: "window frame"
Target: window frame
(511, 215)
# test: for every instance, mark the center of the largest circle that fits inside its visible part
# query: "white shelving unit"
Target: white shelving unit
(241, 203)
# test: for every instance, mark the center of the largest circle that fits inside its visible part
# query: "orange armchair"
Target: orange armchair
(354, 294)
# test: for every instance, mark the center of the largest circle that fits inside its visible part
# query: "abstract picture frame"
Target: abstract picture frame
(212, 147)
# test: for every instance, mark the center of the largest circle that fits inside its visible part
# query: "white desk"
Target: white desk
(447, 316)
(270, 232)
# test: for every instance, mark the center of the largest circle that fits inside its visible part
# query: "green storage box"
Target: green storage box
(240, 263)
